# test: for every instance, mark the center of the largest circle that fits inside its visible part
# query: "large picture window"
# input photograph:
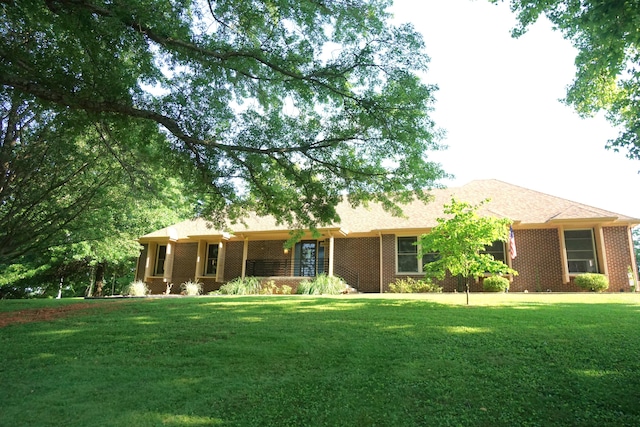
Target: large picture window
(161, 256)
(581, 251)
(407, 255)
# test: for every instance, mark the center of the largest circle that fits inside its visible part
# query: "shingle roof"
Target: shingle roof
(525, 207)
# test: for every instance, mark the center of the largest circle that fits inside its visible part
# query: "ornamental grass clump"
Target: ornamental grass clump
(495, 284)
(592, 282)
(242, 286)
(322, 285)
(191, 288)
(136, 289)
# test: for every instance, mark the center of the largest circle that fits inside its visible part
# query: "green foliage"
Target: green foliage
(607, 36)
(322, 284)
(285, 289)
(269, 288)
(409, 285)
(240, 286)
(191, 288)
(241, 98)
(460, 240)
(495, 284)
(137, 289)
(592, 282)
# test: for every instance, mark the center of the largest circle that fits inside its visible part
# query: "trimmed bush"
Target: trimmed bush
(495, 284)
(240, 286)
(322, 285)
(191, 288)
(592, 282)
(136, 289)
(409, 285)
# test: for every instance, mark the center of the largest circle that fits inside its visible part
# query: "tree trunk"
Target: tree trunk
(100, 267)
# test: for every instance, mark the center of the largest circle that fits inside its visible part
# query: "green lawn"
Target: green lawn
(376, 360)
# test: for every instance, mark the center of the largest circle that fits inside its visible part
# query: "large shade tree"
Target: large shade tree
(277, 106)
(607, 36)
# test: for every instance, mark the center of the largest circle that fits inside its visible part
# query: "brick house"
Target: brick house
(556, 240)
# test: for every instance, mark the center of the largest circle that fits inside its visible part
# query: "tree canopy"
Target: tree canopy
(607, 36)
(274, 106)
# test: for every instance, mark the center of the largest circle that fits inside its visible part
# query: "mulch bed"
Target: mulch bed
(43, 314)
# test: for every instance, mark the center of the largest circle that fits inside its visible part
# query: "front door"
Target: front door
(306, 257)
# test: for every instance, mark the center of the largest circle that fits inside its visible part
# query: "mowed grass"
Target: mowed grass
(376, 360)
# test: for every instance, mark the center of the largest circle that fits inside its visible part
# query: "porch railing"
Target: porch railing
(289, 268)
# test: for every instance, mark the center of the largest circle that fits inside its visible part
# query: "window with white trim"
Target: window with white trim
(581, 251)
(407, 255)
(161, 256)
(211, 266)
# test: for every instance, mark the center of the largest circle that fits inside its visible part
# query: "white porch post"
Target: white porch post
(245, 252)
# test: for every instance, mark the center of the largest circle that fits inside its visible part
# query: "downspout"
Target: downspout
(634, 265)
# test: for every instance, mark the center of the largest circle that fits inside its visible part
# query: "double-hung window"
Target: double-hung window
(581, 251)
(211, 267)
(407, 255)
(496, 250)
(161, 256)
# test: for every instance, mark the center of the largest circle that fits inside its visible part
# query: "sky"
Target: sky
(499, 103)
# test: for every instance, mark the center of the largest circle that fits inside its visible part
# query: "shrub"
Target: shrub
(191, 288)
(285, 289)
(495, 284)
(269, 288)
(410, 285)
(136, 289)
(592, 282)
(240, 286)
(322, 285)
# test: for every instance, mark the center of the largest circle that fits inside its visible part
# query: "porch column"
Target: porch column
(601, 251)
(168, 263)
(563, 256)
(330, 255)
(148, 266)
(245, 252)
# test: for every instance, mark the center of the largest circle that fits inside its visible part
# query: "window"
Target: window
(407, 255)
(581, 251)
(496, 250)
(211, 266)
(161, 255)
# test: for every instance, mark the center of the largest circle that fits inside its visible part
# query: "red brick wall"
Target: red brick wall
(267, 249)
(359, 257)
(184, 264)
(233, 260)
(618, 257)
(538, 262)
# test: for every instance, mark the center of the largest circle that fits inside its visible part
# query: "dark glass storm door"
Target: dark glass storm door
(306, 257)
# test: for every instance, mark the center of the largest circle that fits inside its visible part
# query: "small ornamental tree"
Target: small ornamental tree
(460, 241)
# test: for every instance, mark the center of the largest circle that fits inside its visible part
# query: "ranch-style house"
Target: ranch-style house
(556, 239)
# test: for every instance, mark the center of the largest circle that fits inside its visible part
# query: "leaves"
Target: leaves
(607, 35)
(460, 239)
(269, 102)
